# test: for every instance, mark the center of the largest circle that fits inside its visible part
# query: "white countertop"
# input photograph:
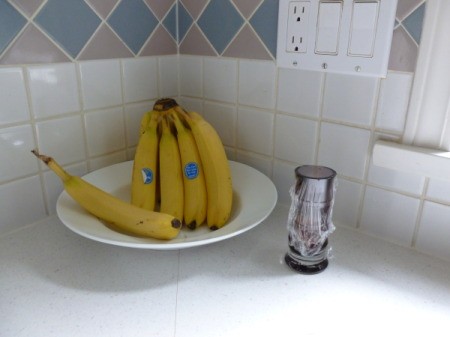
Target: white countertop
(56, 283)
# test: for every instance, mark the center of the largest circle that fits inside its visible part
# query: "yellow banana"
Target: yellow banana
(216, 168)
(144, 122)
(193, 176)
(122, 215)
(171, 180)
(145, 166)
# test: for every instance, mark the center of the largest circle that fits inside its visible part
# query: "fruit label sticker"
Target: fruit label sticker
(147, 175)
(191, 170)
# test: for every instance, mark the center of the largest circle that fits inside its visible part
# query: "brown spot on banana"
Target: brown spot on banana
(176, 223)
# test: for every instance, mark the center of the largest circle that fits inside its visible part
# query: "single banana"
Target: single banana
(217, 170)
(145, 165)
(195, 196)
(171, 180)
(122, 215)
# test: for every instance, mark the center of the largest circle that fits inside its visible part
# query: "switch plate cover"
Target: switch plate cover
(354, 54)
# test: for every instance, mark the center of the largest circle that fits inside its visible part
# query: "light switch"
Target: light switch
(363, 28)
(328, 26)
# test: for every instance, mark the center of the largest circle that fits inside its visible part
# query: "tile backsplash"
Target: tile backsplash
(43, 31)
(80, 98)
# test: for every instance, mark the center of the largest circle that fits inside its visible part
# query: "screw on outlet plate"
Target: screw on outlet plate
(324, 65)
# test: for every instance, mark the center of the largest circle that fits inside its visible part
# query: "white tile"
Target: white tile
(349, 98)
(257, 83)
(260, 163)
(439, 189)
(434, 231)
(53, 185)
(54, 89)
(62, 138)
(133, 115)
(22, 203)
(344, 149)
(401, 181)
(13, 96)
(140, 79)
(101, 83)
(110, 159)
(105, 131)
(15, 146)
(283, 177)
(168, 76)
(389, 215)
(191, 75)
(347, 202)
(191, 104)
(295, 139)
(220, 79)
(255, 130)
(223, 118)
(393, 101)
(299, 91)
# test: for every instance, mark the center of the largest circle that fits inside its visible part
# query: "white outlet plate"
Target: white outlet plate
(344, 60)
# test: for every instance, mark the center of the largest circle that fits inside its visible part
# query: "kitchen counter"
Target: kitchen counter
(56, 283)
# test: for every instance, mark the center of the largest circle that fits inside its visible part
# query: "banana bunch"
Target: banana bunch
(119, 214)
(180, 161)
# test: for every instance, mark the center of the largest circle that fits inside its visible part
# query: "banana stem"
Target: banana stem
(53, 165)
(164, 104)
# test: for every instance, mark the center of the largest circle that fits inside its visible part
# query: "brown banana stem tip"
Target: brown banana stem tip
(45, 159)
(164, 104)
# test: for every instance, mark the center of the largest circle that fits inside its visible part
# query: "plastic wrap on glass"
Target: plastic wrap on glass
(310, 218)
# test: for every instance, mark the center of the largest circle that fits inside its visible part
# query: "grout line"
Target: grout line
(274, 124)
(419, 213)
(32, 123)
(82, 114)
(320, 118)
(124, 116)
(412, 10)
(368, 159)
(409, 35)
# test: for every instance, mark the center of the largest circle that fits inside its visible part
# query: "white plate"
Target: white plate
(254, 198)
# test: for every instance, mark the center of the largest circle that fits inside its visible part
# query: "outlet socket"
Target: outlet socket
(297, 27)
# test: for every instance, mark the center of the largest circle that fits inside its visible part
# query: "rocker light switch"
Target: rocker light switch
(328, 26)
(363, 28)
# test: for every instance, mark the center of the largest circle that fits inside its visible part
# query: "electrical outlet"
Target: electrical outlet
(340, 36)
(297, 27)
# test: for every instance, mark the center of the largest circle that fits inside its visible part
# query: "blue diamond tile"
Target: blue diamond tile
(413, 23)
(69, 22)
(220, 22)
(11, 22)
(184, 21)
(265, 21)
(133, 21)
(170, 22)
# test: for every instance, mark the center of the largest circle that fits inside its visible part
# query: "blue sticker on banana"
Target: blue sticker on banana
(191, 170)
(147, 175)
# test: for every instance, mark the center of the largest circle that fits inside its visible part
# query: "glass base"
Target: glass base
(305, 269)
(307, 264)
